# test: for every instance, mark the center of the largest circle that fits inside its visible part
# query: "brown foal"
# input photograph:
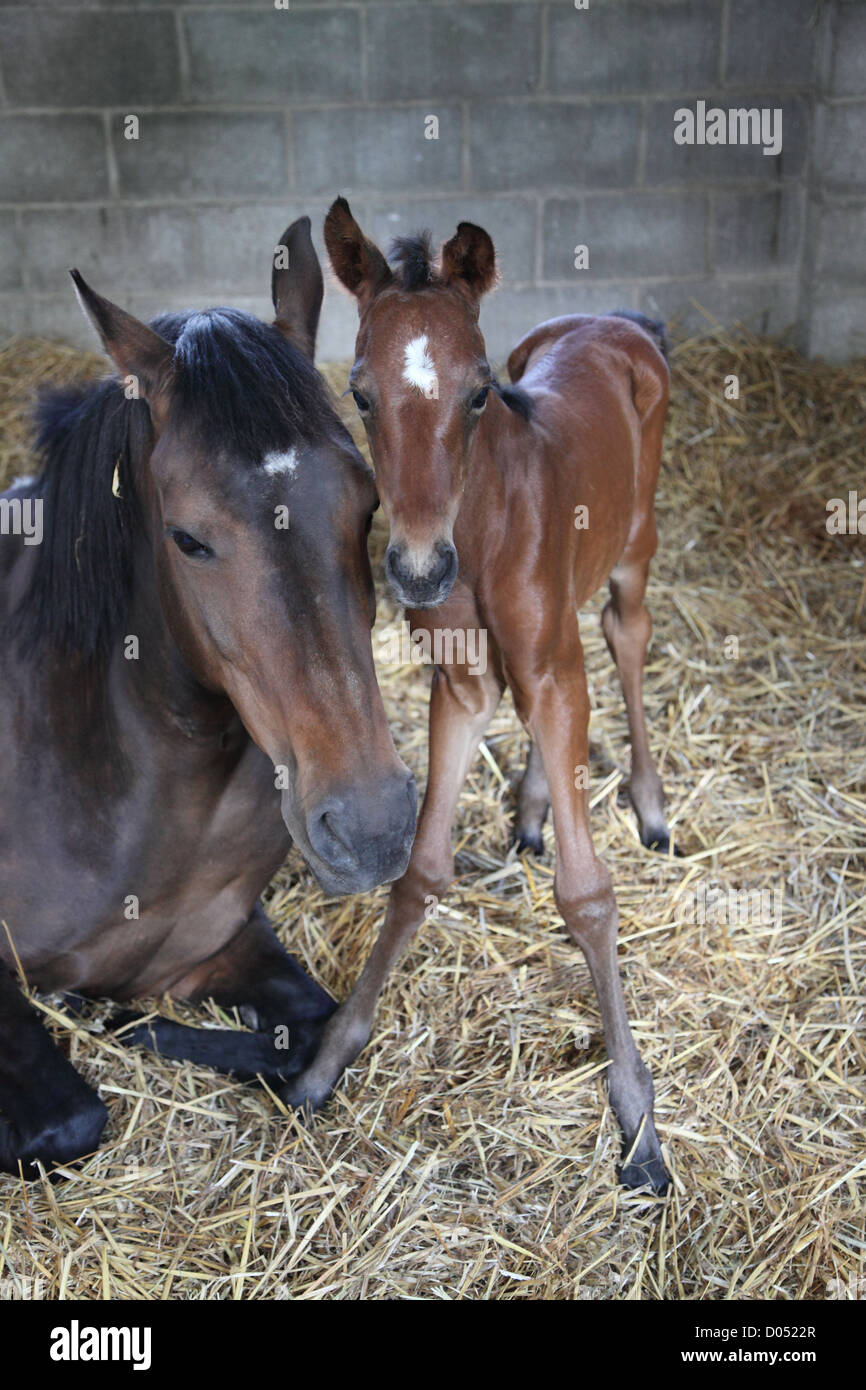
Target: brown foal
(508, 507)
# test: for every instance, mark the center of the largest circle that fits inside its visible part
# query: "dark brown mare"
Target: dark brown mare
(540, 493)
(188, 687)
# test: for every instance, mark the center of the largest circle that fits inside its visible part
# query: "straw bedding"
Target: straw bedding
(469, 1153)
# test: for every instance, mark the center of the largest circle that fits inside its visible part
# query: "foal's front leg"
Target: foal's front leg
(461, 706)
(557, 711)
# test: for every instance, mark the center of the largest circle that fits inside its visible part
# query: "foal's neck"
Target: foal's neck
(502, 443)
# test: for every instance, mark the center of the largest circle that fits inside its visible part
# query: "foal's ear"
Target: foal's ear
(134, 348)
(297, 286)
(468, 261)
(358, 264)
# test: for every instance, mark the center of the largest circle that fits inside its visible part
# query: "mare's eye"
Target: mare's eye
(190, 546)
(479, 402)
(361, 402)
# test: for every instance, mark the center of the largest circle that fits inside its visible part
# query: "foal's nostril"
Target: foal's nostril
(392, 565)
(447, 570)
(428, 587)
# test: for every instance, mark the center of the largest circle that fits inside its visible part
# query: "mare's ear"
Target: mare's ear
(468, 261)
(358, 264)
(297, 286)
(136, 350)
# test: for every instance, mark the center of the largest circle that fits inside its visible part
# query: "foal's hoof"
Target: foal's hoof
(652, 1174)
(529, 840)
(659, 843)
(304, 1096)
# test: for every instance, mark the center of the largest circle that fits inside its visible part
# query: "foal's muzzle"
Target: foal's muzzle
(361, 836)
(428, 588)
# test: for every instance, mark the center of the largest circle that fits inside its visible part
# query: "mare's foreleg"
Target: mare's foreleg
(48, 1113)
(274, 995)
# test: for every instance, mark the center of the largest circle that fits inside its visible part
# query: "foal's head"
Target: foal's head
(256, 507)
(421, 381)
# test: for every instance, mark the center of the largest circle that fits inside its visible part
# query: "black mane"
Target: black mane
(238, 385)
(516, 398)
(241, 385)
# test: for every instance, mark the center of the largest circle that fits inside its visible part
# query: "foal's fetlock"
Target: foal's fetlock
(413, 894)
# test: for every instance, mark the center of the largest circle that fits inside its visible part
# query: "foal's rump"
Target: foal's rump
(559, 346)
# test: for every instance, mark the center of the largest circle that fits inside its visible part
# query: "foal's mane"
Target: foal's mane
(237, 385)
(412, 260)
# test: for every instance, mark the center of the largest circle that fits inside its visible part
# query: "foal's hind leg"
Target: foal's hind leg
(533, 804)
(557, 712)
(49, 1113)
(627, 628)
(274, 994)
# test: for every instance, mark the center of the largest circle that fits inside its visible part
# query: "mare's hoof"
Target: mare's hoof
(652, 1174)
(123, 1019)
(64, 1141)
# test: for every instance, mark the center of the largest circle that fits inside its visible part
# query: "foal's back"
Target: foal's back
(598, 392)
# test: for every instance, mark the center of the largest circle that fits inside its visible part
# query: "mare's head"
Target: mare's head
(421, 381)
(255, 507)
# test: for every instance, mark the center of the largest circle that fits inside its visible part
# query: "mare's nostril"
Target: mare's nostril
(363, 834)
(331, 836)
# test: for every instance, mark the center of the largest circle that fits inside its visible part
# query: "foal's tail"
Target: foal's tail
(656, 329)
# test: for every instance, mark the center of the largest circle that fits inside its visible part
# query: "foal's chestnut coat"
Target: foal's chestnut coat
(483, 488)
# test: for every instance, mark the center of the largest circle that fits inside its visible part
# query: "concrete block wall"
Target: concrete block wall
(555, 129)
(833, 309)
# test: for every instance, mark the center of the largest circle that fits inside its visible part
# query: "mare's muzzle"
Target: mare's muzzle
(426, 587)
(361, 836)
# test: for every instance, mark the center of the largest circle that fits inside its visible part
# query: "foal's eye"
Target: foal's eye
(361, 402)
(479, 402)
(190, 546)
